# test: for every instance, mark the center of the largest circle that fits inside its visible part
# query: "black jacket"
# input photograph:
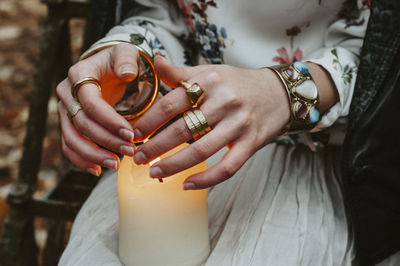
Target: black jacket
(371, 153)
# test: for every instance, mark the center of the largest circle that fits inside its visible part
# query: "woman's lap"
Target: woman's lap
(284, 207)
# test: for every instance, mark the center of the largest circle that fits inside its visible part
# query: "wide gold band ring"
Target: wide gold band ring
(194, 92)
(77, 84)
(196, 122)
(73, 109)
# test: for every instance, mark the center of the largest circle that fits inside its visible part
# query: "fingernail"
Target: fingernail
(126, 70)
(137, 134)
(156, 172)
(140, 158)
(127, 150)
(113, 164)
(93, 171)
(188, 186)
(126, 134)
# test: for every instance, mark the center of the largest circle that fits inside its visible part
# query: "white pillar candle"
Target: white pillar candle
(160, 223)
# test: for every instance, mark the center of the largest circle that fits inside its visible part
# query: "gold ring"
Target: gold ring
(196, 122)
(194, 92)
(190, 124)
(73, 109)
(77, 84)
(205, 128)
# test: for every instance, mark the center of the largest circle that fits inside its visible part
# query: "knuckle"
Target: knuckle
(108, 143)
(227, 170)
(124, 51)
(81, 125)
(233, 100)
(68, 143)
(74, 70)
(201, 150)
(214, 77)
(230, 100)
(167, 106)
(59, 90)
(244, 122)
(181, 133)
(89, 105)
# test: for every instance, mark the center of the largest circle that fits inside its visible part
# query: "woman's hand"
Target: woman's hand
(245, 108)
(98, 123)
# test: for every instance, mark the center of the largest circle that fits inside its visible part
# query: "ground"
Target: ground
(19, 39)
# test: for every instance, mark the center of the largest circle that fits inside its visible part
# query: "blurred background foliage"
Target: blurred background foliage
(19, 42)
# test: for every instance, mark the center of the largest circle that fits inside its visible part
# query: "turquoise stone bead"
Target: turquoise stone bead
(314, 115)
(301, 67)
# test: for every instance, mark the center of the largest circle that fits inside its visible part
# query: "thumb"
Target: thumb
(126, 59)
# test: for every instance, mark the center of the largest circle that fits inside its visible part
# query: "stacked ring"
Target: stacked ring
(77, 84)
(196, 122)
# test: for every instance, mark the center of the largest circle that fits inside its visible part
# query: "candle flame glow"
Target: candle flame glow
(154, 161)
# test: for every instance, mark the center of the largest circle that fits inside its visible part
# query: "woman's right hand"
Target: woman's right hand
(98, 124)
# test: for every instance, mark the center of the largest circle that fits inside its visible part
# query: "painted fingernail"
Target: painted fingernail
(188, 186)
(127, 150)
(126, 134)
(113, 164)
(156, 172)
(140, 158)
(126, 70)
(137, 134)
(93, 171)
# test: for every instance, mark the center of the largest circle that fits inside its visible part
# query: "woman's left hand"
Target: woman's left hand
(246, 109)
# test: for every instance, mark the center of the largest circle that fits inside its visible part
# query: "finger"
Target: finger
(172, 104)
(64, 93)
(197, 152)
(83, 146)
(98, 134)
(169, 106)
(78, 161)
(230, 164)
(171, 75)
(174, 135)
(91, 98)
(126, 61)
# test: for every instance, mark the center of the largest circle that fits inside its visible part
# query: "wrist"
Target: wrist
(278, 96)
(328, 94)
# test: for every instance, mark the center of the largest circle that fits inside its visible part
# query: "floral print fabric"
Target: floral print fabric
(269, 213)
(254, 34)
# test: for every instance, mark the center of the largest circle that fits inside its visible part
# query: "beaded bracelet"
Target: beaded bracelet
(303, 96)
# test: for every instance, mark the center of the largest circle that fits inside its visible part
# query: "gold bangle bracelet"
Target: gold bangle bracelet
(303, 96)
(131, 115)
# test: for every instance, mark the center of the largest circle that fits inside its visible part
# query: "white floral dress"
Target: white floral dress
(284, 206)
